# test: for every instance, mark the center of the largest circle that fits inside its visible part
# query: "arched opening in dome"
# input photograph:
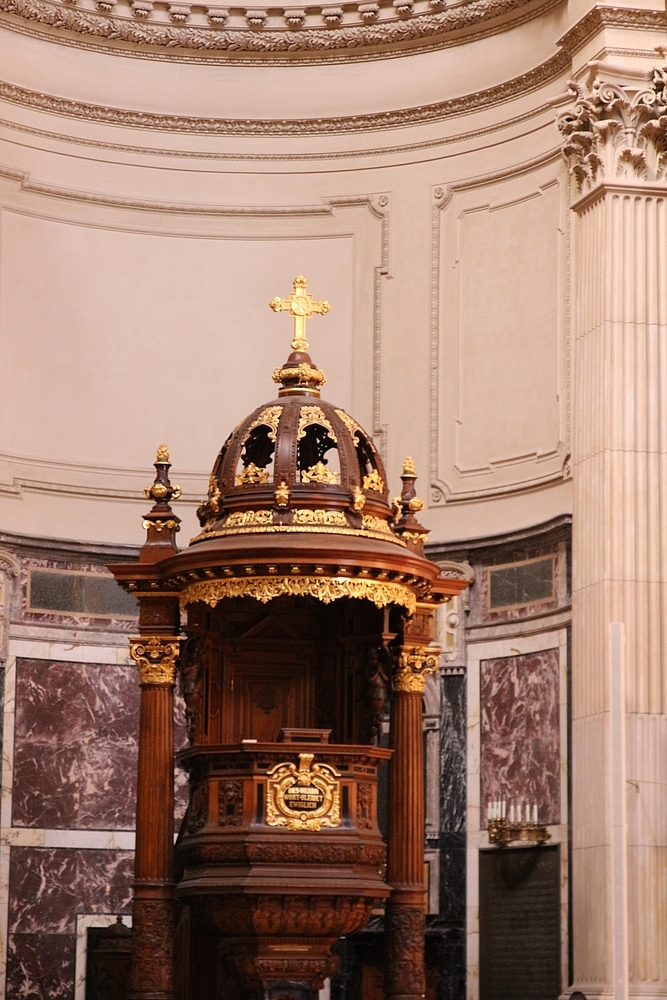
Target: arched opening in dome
(317, 456)
(256, 461)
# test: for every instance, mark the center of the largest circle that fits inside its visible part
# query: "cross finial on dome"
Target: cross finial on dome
(301, 306)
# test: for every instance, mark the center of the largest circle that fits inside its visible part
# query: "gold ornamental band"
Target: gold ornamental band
(155, 657)
(325, 589)
(413, 667)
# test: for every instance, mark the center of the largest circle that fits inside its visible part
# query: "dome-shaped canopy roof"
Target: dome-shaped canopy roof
(298, 463)
(297, 505)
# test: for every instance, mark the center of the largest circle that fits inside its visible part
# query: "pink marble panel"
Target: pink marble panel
(49, 886)
(41, 966)
(520, 732)
(75, 753)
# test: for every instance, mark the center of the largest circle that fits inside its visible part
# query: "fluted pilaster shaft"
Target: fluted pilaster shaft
(619, 548)
(153, 930)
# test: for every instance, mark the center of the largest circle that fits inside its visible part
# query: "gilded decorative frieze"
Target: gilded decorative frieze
(155, 657)
(306, 515)
(372, 523)
(325, 589)
(242, 518)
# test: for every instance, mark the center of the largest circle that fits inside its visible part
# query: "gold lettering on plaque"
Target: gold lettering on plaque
(303, 798)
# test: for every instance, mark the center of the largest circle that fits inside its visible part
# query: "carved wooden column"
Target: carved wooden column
(614, 144)
(155, 652)
(405, 914)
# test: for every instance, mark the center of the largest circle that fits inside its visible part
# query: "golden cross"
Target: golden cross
(301, 306)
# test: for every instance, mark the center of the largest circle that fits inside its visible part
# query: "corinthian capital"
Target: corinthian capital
(413, 665)
(616, 133)
(155, 657)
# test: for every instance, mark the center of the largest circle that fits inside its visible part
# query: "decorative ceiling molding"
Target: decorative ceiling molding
(400, 118)
(339, 154)
(611, 17)
(149, 29)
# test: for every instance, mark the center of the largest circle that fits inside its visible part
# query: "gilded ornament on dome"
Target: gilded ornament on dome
(282, 494)
(303, 798)
(352, 426)
(374, 482)
(318, 474)
(305, 515)
(213, 494)
(358, 499)
(252, 475)
(314, 415)
(415, 504)
(302, 374)
(270, 417)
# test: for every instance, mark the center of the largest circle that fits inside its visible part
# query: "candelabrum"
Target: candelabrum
(518, 823)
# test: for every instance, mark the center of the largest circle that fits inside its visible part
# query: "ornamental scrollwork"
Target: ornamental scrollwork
(412, 667)
(303, 798)
(616, 133)
(155, 657)
(325, 589)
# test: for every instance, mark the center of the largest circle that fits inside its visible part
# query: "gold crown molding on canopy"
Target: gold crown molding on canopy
(344, 33)
(325, 589)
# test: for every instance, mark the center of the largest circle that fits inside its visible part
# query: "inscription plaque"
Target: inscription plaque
(303, 798)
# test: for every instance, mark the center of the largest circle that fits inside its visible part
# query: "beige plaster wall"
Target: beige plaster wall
(138, 255)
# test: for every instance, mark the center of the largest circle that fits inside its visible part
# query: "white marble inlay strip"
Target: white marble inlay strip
(43, 649)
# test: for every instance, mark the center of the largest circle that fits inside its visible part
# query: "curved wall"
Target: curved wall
(153, 202)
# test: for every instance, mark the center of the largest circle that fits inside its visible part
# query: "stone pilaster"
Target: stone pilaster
(615, 143)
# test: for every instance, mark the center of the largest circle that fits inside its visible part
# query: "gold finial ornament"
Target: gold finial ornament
(409, 467)
(162, 453)
(301, 306)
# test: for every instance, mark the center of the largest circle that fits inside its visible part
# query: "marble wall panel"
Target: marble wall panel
(41, 966)
(49, 886)
(75, 745)
(453, 735)
(520, 732)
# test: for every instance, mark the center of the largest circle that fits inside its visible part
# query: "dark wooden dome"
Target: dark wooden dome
(298, 463)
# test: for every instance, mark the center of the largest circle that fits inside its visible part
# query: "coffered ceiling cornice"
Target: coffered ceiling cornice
(354, 30)
(400, 118)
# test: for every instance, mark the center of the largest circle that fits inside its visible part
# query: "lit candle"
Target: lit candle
(518, 813)
(511, 814)
(535, 813)
(504, 807)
